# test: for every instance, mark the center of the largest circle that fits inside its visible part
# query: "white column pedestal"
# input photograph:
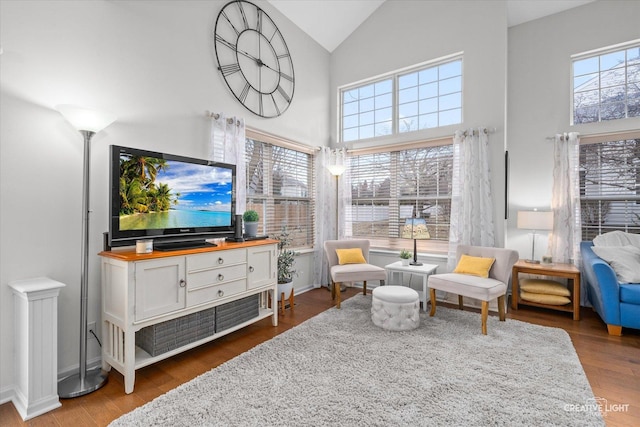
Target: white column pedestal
(36, 346)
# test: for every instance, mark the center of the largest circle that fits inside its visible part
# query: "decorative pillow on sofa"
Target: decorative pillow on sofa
(350, 256)
(625, 261)
(474, 265)
(617, 238)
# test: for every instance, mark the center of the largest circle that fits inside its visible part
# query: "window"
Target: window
(430, 98)
(389, 187)
(367, 111)
(610, 187)
(280, 187)
(607, 86)
(425, 97)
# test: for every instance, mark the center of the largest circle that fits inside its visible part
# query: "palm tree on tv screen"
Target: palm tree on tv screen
(138, 190)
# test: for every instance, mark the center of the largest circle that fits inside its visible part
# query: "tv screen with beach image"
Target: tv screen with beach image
(163, 194)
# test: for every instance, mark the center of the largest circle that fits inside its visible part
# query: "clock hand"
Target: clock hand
(248, 55)
(257, 60)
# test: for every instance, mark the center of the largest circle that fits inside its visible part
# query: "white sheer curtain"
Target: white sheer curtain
(344, 195)
(328, 205)
(471, 199)
(325, 213)
(227, 144)
(564, 241)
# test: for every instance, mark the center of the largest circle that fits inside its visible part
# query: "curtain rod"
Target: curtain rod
(563, 137)
(475, 132)
(216, 116)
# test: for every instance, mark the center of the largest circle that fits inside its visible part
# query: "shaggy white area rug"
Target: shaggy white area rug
(339, 369)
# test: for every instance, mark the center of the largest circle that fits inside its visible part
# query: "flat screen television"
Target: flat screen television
(177, 201)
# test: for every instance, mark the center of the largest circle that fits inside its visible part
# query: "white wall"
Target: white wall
(539, 102)
(403, 33)
(150, 63)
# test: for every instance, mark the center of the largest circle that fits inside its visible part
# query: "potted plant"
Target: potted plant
(405, 256)
(250, 219)
(286, 259)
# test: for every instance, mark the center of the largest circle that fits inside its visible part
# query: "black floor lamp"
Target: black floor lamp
(88, 122)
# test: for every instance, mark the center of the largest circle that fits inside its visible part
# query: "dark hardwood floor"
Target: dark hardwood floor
(612, 365)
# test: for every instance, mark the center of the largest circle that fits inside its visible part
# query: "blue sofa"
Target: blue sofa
(617, 304)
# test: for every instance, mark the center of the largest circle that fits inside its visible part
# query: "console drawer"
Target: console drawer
(211, 293)
(215, 276)
(215, 259)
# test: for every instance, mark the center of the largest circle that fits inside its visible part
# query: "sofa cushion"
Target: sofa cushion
(630, 293)
(625, 261)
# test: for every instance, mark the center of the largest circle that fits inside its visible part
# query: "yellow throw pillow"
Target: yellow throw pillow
(350, 256)
(545, 299)
(543, 286)
(474, 265)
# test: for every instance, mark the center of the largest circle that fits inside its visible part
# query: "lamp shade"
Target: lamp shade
(535, 220)
(336, 170)
(415, 228)
(85, 118)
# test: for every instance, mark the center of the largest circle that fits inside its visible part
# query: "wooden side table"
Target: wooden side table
(568, 271)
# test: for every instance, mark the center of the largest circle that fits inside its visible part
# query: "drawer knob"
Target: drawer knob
(251, 269)
(220, 293)
(183, 283)
(220, 277)
(220, 261)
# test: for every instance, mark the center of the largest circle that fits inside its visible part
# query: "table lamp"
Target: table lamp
(534, 220)
(416, 229)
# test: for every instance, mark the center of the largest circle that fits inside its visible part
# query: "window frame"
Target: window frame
(394, 77)
(396, 242)
(597, 53)
(266, 202)
(591, 202)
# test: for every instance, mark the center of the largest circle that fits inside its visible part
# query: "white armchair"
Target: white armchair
(350, 272)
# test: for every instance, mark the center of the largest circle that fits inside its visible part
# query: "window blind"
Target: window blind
(390, 186)
(280, 187)
(610, 187)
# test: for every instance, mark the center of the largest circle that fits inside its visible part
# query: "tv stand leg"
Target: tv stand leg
(274, 305)
(129, 362)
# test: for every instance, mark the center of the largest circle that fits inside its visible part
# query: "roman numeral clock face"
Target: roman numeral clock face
(254, 59)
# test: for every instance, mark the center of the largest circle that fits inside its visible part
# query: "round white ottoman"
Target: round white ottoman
(395, 308)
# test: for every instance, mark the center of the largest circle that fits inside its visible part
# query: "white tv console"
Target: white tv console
(140, 290)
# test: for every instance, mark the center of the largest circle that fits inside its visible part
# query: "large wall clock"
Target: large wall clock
(253, 58)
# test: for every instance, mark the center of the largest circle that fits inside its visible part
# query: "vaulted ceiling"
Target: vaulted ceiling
(330, 22)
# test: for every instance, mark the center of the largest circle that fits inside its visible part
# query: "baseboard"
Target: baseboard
(298, 291)
(6, 394)
(32, 410)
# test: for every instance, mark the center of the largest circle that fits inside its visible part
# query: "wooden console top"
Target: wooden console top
(128, 253)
